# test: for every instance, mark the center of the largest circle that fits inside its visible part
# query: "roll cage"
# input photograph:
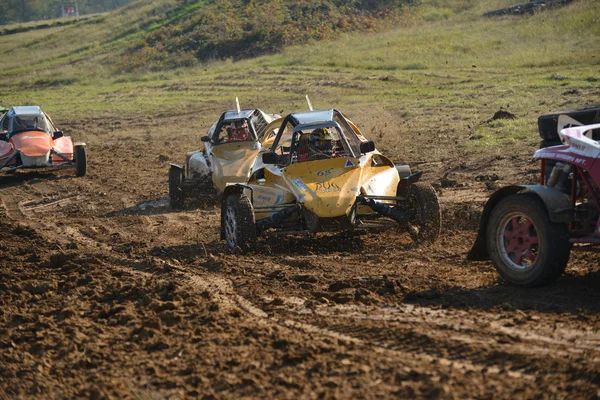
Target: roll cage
(296, 124)
(24, 119)
(256, 120)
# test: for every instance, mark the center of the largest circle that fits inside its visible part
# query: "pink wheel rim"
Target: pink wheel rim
(518, 239)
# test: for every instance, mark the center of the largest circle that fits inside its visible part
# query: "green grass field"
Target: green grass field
(441, 72)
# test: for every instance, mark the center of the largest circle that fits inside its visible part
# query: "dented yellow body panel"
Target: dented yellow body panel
(233, 163)
(328, 188)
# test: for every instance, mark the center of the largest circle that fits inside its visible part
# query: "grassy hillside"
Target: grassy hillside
(89, 43)
(443, 70)
(165, 33)
(430, 34)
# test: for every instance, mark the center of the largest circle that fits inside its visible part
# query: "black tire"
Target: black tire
(537, 251)
(80, 156)
(176, 193)
(427, 225)
(239, 225)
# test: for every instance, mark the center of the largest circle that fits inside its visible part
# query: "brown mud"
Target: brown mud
(105, 292)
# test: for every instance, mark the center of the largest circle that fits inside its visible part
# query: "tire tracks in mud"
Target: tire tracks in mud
(222, 291)
(28, 200)
(470, 341)
(410, 335)
(367, 337)
(462, 324)
(491, 352)
(410, 350)
(451, 342)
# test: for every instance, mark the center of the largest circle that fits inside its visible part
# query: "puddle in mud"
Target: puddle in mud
(152, 205)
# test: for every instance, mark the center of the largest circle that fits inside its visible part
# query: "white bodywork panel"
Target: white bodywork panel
(35, 161)
(579, 142)
(198, 166)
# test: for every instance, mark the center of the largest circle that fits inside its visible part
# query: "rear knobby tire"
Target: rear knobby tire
(427, 225)
(525, 246)
(176, 193)
(80, 161)
(239, 226)
(548, 123)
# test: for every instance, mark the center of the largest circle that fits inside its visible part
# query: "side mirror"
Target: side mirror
(269, 158)
(205, 139)
(367, 147)
(57, 134)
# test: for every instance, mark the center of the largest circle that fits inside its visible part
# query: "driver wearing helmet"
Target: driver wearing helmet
(31, 123)
(239, 130)
(321, 144)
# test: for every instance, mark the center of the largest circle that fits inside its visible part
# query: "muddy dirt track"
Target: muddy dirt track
(107, 293)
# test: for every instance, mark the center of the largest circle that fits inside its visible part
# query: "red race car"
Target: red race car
(527, 231)
(29, 139)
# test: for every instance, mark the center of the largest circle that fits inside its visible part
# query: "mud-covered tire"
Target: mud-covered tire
(176, 192)
(526, 248)
(80, 156)
(427, 225)
(239, 226)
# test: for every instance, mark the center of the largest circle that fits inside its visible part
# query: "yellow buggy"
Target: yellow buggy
(226, 155)
(321, 175)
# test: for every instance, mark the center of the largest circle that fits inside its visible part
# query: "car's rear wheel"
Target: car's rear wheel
(239, 227)
(176, 193)
(427, 225)
(80, 161)
(548, 123)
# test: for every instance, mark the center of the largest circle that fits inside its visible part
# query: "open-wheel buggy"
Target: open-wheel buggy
(29, 139)
(322, 175)
(226, 155)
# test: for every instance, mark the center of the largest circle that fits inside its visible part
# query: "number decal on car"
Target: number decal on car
(324, 172)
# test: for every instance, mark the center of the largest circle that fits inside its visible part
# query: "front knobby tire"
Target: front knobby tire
(239, 226)
(525, 246)
(427, 225)
(176, 193)
(80, 161)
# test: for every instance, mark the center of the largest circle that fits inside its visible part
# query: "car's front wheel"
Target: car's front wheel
(176, 194)
(80, 161)
(526, 248)
(427, 225)
(239, 227)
